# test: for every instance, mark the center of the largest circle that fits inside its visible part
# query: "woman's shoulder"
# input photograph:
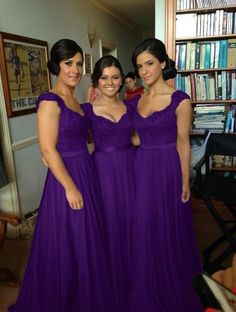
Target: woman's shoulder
(180, 95)
(50, 97)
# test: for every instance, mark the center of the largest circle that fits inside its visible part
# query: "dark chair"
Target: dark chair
(7, 277)
(218, 185)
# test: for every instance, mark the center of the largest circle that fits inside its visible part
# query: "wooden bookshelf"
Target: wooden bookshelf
(205, 38)
(212, 29)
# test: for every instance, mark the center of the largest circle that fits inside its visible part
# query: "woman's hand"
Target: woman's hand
(74, 198)
(185, 193)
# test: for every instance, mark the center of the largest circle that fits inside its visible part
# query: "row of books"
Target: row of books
(206, 54)
(203, 87)
(215, 23)
(230, 123)
(220, 161)
(209, 117)
(198, 4)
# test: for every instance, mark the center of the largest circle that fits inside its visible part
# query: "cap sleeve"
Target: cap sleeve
(178, 96)
(49, 96)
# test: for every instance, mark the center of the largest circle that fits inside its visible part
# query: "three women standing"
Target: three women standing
(151, 246)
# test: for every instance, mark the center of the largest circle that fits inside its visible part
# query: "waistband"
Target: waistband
(74, 153)
(108, 149)
(154, 147)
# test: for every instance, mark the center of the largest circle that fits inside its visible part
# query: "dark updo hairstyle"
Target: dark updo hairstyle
(103, 62)
(130, 75)
(158, 50)
(62, 50)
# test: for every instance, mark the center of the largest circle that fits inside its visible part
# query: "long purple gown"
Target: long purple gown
(67, 266)
(114, 158)
(165, 252)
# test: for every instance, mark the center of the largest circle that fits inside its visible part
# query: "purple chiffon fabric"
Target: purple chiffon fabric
(67, 268)
(114, 158)
(165, 252)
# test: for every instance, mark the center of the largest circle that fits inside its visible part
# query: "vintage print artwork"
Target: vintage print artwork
(24, 72)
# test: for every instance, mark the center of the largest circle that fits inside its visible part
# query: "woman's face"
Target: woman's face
(110, 81)
(149, 68)
(130, 83)
(71, 70)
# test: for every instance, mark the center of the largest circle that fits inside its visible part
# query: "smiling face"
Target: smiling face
(149, 68)
(110, 81)
(71, 70)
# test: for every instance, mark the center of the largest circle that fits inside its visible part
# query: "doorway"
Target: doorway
(107, 49)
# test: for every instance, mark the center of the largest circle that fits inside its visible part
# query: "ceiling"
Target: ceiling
(139, 15)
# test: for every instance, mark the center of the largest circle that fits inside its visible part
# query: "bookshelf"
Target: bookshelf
(201, 37)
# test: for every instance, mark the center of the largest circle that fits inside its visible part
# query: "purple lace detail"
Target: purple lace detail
(107, 133)
(161, 126)
(73, 128)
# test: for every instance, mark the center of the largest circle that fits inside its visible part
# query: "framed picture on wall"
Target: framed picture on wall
(23, 65)
(88, 66)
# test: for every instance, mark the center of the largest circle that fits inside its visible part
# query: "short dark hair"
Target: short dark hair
(130, 75)
(103, 62)
(62, 50)
(157, 48)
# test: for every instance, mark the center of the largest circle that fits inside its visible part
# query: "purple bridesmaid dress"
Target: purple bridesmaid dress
(67, 266)
(114, 159)
(165, 252)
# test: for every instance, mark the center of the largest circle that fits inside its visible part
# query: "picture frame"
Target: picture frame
(23, 65)
(88, 65)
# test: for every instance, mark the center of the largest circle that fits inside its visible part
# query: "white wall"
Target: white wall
(49, 20)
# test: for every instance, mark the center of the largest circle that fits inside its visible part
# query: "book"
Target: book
(188, 55)
(233, 86)
(182, 56)
(228, 121)
(197, 56)
(231, 55)
(217, 51)
(202, 55)
(207, 59)
(186, 25)
(192, 55)
(219, 81)
(223, 82)
(223, 53)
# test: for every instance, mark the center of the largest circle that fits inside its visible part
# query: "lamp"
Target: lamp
(91, 37)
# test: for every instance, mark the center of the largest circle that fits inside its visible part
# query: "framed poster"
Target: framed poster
(88, 66)
(23, 64)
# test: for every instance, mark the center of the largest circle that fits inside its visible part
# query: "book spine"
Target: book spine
(197, 56)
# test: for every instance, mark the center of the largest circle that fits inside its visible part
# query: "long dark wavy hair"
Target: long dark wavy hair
(157, 48)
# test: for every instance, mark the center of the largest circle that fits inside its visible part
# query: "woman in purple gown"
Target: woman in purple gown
(67, 268)
(165, 252)
(111, 125)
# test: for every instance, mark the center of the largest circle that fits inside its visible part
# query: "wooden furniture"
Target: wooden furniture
(6, 275)
(207, 30)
